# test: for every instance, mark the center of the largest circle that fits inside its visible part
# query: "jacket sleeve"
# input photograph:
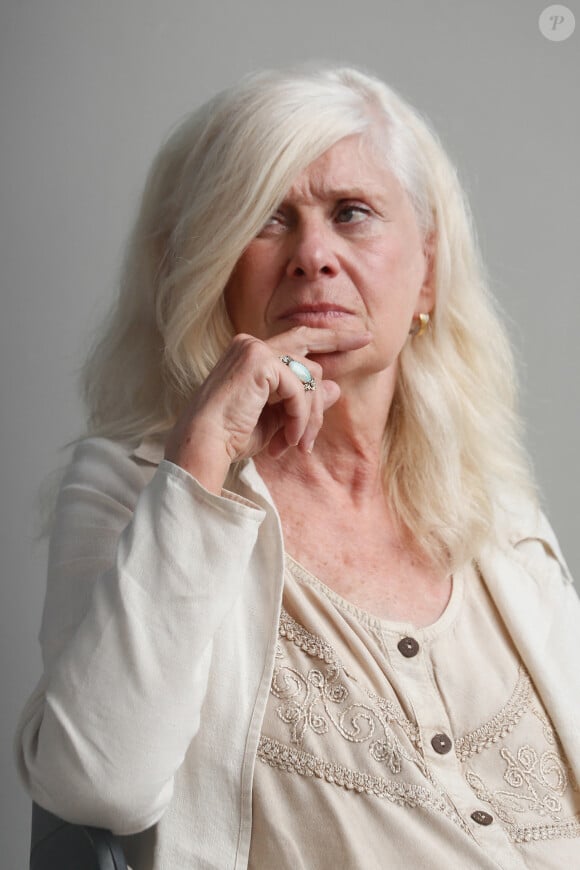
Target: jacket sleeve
(140, 578)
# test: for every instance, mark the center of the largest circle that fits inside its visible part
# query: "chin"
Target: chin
(346, 366)
(335, 365)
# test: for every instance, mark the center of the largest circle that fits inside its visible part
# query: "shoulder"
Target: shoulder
(109, 476)
(521, 525)
(101, 483)
(114, 466)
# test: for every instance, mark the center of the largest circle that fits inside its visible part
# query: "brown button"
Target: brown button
(441, 743)
(482, 818)
(408, 647)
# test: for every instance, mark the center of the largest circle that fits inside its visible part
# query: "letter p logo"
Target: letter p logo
(557, 23)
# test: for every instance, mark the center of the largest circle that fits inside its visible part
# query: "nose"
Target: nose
(313, 252)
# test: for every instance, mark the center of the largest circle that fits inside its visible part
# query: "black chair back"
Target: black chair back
(60, 845)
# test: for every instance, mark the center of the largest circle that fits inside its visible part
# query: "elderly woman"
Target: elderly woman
(303, 610)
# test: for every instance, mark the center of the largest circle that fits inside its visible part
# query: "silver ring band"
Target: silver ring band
(301, 371)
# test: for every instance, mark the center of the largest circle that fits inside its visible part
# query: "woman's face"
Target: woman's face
(342, 251)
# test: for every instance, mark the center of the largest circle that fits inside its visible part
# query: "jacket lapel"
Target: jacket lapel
(541, 611)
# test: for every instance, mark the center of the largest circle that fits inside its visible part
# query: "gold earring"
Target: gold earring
(419, 325)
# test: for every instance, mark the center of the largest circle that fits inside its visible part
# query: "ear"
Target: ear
(426, 298)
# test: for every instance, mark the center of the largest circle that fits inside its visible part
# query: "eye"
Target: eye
(352, 214)
(274, 223)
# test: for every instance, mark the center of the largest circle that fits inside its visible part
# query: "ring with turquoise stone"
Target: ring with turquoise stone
(300, 370)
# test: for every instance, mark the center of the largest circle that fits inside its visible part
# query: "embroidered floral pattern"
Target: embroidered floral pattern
(536, 780)
(320, 698)
(537, 783)
(315, 700)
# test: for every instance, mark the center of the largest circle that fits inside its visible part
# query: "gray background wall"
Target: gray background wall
(88, 90)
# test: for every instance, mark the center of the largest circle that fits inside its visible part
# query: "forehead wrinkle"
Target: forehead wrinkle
(373, 184)
(335, 176)
(326, 189)
(305, 194)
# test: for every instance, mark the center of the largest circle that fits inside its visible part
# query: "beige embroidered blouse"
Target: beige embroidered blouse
(388, 746)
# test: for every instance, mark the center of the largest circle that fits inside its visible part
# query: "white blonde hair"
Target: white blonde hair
(453, 434)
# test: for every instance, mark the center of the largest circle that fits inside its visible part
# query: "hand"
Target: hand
(252, 401)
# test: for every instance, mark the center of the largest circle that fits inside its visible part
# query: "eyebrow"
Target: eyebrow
(345, 193)
(354, 192)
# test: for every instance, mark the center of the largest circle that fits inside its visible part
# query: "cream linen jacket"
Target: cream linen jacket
(158, 640)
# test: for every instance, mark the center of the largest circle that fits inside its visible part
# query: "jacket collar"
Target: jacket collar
(150, 450)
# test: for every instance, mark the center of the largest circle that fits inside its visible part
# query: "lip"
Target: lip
(306, 311)
(317, 319)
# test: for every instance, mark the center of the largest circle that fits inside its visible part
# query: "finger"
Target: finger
(313, 367)
(296, 404)
(325, 396)
(330, 393)
(278, 439)
(302, 428)
(304, 340)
